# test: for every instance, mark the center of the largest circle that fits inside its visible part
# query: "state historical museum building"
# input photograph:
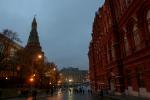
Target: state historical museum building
(119, 52)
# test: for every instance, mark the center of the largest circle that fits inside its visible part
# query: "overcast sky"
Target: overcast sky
(64, 26)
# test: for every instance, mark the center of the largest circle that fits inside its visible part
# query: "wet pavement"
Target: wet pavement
(64, 96)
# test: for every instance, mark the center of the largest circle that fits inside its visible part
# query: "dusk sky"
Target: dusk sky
(64, 26)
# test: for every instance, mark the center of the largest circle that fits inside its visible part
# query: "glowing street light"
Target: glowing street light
(18, 68)
(34, 75)
(70, 80)
(59, 82)
(39, 56)
(31, 79)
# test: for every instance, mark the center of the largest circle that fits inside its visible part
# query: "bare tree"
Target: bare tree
(11, 35)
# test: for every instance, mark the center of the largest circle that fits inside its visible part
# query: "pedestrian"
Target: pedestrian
(82, 91)
(34, 94)
(52, 91)
(77, 91)
(88, 91)
(70, 91)
(101, 94)
(0, 93)
(91, 92)
(47, 91)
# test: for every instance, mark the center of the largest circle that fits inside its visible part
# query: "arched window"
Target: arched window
(136, 36)
(12, 51)
(113, 51)
(128, 2)
(139, 76)
(108, 53)
(127, 49)
(148, 20)
(128, 77)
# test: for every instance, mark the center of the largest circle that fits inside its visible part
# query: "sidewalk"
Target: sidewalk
(112, 96)
(127, 97)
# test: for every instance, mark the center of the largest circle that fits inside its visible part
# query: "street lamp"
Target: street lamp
(39, 56)
(70, 80)
(54, 69)
(36, 58)
(50, 83)
(31, 79)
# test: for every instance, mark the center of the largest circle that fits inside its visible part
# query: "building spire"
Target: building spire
(33, 40)
(34, 23)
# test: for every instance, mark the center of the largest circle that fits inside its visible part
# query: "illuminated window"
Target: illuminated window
(12, 52)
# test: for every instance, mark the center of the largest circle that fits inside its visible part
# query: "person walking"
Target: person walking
(34, 94)
(101, 94)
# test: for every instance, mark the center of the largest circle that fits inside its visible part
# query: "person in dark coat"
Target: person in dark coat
(34, 94)
(47, 91)
(101, 94)
(51, 91)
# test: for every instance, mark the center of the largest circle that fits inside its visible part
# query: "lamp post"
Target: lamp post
(36, 58)
(39, 56)
(40, 73)
(31, 80)
(70, 82)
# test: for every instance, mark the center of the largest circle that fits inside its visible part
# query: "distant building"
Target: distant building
(74, 75)
(52, 73)
(119, 53)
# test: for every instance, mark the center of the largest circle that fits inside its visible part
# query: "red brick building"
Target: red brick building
(119, 52)
(9, 69)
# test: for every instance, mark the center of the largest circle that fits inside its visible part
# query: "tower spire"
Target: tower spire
(34, 23)
(33, 40)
